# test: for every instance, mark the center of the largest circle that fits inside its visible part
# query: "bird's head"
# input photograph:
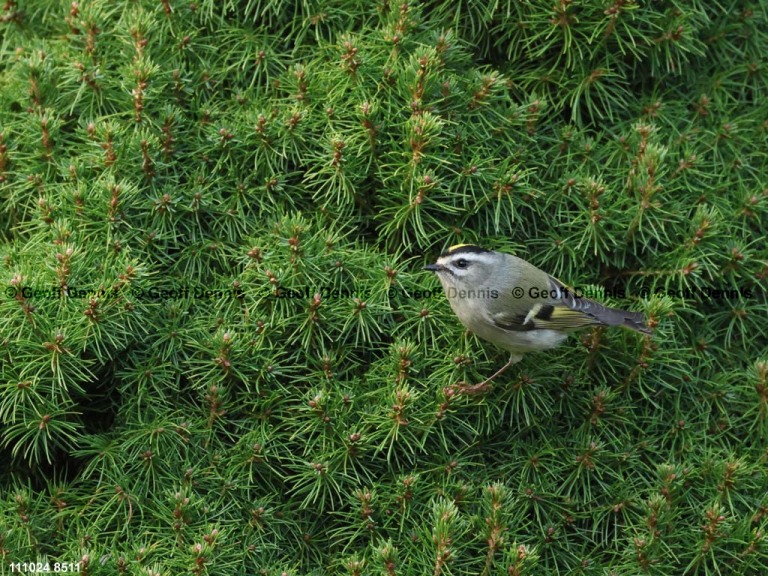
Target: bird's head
(465, 266)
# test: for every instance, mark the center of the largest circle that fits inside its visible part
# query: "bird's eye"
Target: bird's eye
(461, 263)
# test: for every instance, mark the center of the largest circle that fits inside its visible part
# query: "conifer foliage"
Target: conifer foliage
(219, 353)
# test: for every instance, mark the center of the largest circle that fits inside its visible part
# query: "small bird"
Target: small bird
(517, 306)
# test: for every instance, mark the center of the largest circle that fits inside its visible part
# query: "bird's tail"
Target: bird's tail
(617, 317)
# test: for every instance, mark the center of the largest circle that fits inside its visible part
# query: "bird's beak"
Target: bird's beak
(434, 267)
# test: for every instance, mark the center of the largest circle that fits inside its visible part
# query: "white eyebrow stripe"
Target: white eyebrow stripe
(470, 257)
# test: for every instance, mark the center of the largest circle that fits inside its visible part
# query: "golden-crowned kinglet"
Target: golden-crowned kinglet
(507, 301)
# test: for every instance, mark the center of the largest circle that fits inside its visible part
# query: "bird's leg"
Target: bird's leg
(485, 384)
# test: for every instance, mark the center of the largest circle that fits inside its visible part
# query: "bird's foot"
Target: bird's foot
(481, 387)
(472, 389)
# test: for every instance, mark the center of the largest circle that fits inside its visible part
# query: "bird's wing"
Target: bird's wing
(563, 310)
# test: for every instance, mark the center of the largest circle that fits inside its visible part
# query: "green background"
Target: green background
(256, 149)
